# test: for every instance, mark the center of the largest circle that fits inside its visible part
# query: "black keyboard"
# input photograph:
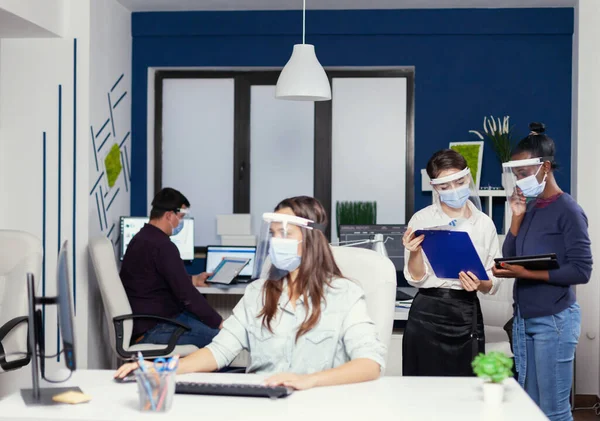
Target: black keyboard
(220, 389)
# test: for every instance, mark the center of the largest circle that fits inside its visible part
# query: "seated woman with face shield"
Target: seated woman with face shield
(444, 331)
(302, 321)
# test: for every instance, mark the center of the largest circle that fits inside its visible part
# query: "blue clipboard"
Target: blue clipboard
(450, 252)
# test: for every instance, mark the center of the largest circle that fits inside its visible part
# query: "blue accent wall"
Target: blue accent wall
(468, 63)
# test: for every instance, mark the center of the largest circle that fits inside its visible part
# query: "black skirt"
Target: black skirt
(443, 334)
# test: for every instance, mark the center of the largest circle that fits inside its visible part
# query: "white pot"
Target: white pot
(493, 393)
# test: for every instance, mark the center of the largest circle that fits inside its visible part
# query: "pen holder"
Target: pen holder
(156, 389)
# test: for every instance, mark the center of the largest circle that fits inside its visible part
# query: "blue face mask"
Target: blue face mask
(178, 228)
(455, 198)
(284, 254)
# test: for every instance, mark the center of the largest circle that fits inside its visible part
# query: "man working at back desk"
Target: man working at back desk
(157, 283)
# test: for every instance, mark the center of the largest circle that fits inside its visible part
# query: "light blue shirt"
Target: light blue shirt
(345, 332)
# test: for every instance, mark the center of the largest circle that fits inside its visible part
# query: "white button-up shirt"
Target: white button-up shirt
(345, 332)
(481, 230)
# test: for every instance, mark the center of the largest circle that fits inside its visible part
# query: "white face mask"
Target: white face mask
(530, 185)
(284, 253)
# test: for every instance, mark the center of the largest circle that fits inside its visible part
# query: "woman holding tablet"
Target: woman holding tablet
(444, 330)
(547, 320)
(303, 321)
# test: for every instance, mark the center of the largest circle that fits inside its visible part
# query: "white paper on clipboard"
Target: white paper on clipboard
(227, 270)
(434, 225)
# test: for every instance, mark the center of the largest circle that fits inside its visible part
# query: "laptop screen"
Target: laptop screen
(215, 254)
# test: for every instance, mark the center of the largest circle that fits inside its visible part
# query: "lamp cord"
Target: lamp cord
(303, 21)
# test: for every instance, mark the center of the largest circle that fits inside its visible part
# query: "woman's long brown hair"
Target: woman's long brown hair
(316, 271)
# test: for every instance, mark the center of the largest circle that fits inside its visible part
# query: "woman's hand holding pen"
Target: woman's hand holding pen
(412, 243)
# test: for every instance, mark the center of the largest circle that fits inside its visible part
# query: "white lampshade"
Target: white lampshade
(303, 78)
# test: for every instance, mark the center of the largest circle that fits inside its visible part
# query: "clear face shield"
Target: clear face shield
(279, 249)
(524, 177)
(455, 190)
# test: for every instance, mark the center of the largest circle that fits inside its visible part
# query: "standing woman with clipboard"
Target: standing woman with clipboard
(547, 320)
(444, 331)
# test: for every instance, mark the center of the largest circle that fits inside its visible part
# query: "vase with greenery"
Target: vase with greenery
(499, 134)
(493, 368)
(355, 213)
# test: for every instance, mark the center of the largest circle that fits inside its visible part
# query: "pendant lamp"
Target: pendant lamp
(303, 78)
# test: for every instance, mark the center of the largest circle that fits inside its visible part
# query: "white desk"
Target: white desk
(389, 398)
(235, 289)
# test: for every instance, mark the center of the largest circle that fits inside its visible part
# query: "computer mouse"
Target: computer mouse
(130, 378)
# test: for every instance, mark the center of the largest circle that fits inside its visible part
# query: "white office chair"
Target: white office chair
(21, 254)
(497, 309)
(376, 274)
(118, 310)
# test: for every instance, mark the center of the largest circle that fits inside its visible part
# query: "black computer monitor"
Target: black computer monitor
(393, 245)
(37, 395)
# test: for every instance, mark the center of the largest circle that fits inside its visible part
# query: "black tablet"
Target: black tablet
(537, 262)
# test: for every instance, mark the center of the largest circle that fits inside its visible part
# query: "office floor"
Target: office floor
(585, 415)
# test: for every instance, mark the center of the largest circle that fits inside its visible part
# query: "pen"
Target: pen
(173, 363)
(145, 381)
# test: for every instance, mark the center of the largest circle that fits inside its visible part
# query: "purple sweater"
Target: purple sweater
(561, 228)
(157, 283)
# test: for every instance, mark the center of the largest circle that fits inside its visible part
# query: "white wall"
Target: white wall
(31, 71)
(282, 144)
(369, 146)
(150, 137)
(586, 126)
(51, 15)
(110, 122)
(197, 148)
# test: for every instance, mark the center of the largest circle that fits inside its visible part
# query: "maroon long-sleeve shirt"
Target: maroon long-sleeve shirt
(157, 283)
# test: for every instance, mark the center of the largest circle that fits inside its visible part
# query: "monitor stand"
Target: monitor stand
(45, 395)
(37, 396)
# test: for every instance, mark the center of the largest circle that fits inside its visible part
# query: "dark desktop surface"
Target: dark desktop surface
(392, 234)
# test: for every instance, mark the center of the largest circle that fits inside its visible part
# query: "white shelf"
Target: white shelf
(492, 193)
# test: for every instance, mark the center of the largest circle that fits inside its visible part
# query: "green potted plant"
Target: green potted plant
(355, 213)
(500, 136)
(493, 368)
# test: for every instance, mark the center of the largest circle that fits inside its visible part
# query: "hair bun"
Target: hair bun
(537, 128)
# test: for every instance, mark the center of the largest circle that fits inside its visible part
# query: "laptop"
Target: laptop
(215, 254)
